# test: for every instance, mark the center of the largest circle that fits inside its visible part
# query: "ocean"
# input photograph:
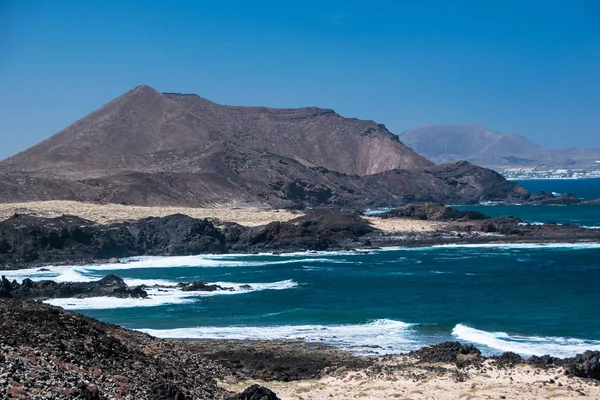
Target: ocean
(526, 298)
(584, 215)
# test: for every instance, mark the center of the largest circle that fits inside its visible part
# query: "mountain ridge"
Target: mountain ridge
(148, 148)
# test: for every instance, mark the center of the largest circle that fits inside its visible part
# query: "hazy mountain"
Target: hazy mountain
(482, 146)
(150, 148)
(474, 143)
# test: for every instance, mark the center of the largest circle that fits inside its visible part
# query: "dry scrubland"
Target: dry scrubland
(109, 213)
(436, 381)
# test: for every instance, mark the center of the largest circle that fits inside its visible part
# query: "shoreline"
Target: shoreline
(292, 369)
(449, 370)
(50, 352)
(394, 245)
(41, 238)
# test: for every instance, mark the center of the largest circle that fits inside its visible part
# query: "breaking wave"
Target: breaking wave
(382, 336)
(525, 345)
(159, 296)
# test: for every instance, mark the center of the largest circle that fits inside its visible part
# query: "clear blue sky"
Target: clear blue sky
(528, 67)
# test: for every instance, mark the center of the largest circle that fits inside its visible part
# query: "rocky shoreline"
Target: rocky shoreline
(109, 286)
(47, 352)
(29, 241)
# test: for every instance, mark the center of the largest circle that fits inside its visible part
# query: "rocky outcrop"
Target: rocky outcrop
(433, 212)
(508, 359)
(256, 392)
(110, 285)
(446, 352)
(276, 360)
(199, 286)
(33, 240)
(585, 365)
(545, 198)
(47, 352)
(317, 230)
(27, 241)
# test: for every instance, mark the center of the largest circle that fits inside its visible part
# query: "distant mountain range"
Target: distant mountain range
(148, 148)
(482, 146)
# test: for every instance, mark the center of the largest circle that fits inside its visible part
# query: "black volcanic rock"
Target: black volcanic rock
(201, 287)
(433, 212)
(508, 359)
(545, 198)
(28, 240)
(317, 230)
(586, 365)
(256, 392)
(57, 350)
(446, 352)
(110, 285)
(147, 148)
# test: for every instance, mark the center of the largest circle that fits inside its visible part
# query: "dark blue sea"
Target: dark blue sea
(528, 298)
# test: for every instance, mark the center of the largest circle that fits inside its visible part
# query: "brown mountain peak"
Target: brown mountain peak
(145, 147)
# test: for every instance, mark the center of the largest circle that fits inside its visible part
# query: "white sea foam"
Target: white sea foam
(575, 246)
(592, 245)
(382, 336)
(56, 273)
(205, 261)
(148, 282)
(77, 273)
(91, 272)
(158, 296)
(525, 345)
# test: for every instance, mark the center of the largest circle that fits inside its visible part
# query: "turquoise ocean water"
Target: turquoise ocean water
(530, 299)
(585, 215)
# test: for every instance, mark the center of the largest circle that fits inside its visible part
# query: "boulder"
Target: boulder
(586, 365)
(256, 392)
(446, 352)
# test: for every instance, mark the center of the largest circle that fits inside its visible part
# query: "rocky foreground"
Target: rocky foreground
(27, 241)
(49, 353)
(46, 352)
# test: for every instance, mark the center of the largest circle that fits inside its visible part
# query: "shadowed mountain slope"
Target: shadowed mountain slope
(149, 148)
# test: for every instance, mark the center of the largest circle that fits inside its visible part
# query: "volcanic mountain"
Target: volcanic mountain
(148, 148)
(474, 143)
(482, 146)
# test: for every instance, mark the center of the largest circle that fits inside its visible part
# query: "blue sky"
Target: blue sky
(528, 67)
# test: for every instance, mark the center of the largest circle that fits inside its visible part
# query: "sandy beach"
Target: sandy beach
(399, 377)
(111, 213)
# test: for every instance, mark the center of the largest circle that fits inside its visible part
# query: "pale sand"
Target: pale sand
(415, 382)
(395, 225)
(109, 213)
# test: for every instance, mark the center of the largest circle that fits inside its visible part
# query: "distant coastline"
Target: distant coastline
(520, 178)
